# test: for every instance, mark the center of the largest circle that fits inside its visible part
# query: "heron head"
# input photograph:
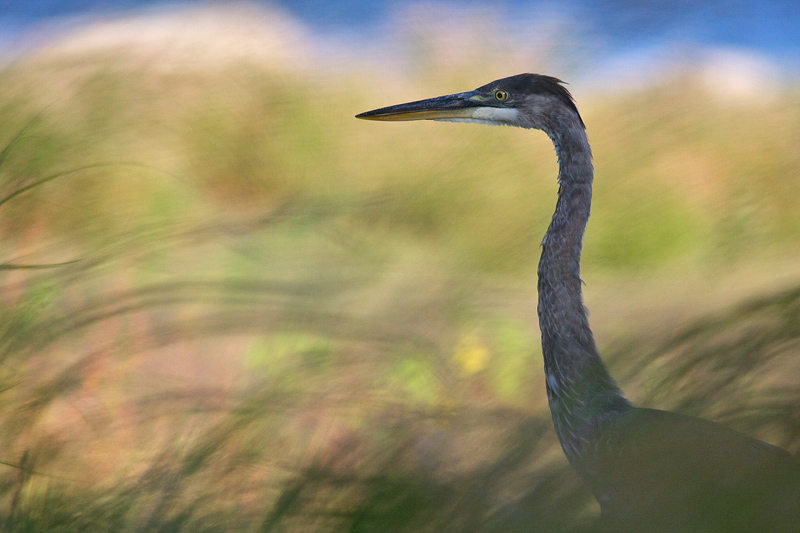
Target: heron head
(524, 100)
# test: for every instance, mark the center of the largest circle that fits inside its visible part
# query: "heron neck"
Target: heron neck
(580, 390)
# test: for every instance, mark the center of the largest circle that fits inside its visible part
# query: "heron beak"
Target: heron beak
(452, 106)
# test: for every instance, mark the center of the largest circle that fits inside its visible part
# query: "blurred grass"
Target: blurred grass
(678, 172)
(284, 319)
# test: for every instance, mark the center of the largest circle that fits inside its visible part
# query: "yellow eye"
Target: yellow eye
(501, 96)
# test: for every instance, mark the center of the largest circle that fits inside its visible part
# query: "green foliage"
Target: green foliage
(284, 319)
(677, 172)
(413, 379)
(655, 229)
(284, 355)
(518, 352)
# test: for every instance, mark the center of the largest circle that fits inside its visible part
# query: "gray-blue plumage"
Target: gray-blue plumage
(650, 470)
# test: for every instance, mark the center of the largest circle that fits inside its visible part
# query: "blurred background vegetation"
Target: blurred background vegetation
(230, 306)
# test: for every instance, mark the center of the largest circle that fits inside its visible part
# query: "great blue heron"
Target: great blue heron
(650, 470)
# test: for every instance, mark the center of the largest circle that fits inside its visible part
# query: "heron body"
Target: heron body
(650, 470)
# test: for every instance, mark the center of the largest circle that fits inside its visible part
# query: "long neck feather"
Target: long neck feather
(580, 390)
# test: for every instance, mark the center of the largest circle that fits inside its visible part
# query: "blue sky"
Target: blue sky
(768, 27)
